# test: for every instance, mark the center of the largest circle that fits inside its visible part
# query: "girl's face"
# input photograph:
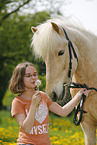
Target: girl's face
(30, 77)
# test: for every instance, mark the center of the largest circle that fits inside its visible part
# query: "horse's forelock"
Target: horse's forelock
(45, 40)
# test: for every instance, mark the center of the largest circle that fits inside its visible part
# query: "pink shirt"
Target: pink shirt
(39, 134)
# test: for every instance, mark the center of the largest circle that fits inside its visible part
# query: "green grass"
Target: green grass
(62, 130)
(8, 128)
(6, 120)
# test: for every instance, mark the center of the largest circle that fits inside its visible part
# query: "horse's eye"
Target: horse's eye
(61, 52)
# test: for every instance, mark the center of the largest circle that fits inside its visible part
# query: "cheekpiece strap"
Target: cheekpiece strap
(70, 46)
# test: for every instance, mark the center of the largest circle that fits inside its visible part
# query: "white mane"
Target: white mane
(46, 39)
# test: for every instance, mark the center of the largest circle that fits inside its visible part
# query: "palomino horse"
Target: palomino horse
(69, 52)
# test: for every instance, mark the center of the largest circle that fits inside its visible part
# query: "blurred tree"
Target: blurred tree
(15, 36)
(15, 6)
(15, 39)
(8, 7)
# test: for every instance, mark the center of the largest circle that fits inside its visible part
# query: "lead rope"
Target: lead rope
(80, 105)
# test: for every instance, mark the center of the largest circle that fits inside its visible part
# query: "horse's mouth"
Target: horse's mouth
(57, 98)
(54, 97)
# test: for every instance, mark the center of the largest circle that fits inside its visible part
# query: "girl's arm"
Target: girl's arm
(66, 109)
(26, 123)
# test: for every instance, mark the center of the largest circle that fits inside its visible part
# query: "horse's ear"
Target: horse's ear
(55, 27)
(33, 29)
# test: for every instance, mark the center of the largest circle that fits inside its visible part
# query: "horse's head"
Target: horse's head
(52, 42)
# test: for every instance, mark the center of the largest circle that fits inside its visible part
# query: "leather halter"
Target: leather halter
(71, 49)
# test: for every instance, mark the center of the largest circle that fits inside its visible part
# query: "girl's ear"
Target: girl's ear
(33, 29)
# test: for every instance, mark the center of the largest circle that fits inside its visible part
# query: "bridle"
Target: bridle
(79, 108)
(71, 49)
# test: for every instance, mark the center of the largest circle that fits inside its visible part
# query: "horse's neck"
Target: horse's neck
(87, 56)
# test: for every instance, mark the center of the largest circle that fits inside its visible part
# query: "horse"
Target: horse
(70, 53)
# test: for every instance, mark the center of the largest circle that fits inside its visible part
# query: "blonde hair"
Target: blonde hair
(16, 84)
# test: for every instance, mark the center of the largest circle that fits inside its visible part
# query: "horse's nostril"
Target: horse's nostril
(54, 96)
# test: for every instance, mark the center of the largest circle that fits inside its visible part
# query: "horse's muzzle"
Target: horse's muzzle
(54, 97)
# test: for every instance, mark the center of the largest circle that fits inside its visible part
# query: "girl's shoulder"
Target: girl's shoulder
(16, 100)
(18, 107)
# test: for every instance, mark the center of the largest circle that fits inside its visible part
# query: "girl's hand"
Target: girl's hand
(80, 92)
(87, 92)
(36, 98)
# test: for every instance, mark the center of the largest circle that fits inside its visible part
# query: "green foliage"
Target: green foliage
(5, 116)
(7, 100)
(15, 40)
(8, 7)
(43, 82)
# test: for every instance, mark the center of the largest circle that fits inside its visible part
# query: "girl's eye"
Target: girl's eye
(61, 52)
(28, 76)
(36, 74)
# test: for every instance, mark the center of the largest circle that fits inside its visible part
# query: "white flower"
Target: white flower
(38, 83)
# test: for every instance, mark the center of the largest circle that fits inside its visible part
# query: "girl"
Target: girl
(31, 107)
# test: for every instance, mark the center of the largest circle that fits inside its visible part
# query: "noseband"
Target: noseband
(71, 49)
